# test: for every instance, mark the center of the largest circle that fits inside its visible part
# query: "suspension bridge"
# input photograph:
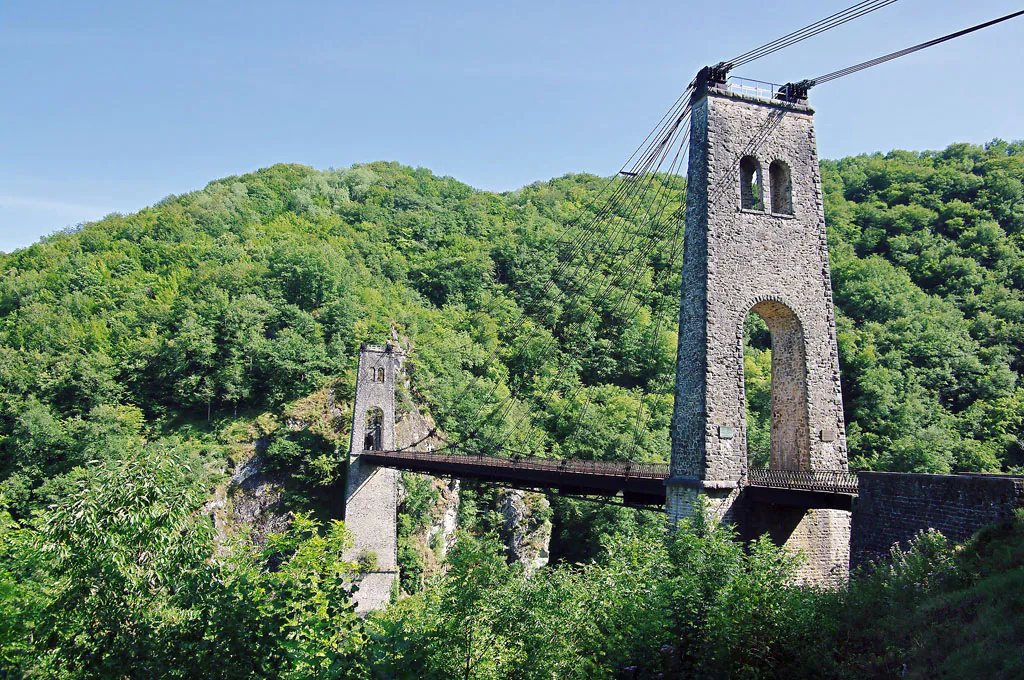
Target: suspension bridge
(754, 242)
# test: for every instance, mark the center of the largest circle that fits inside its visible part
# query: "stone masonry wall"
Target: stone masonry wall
(688, 441)
(894, 507)
(820, 536)
(742, 257)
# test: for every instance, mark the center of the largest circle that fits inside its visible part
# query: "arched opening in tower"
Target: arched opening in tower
(374, 427)
(750, 184)
(781, 188)
(775, 388)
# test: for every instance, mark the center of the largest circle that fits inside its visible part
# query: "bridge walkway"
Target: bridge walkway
(638, 484)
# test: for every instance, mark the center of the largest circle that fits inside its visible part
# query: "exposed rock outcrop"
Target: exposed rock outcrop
(434, 527)
(441, 532)
(251, 500)
(255, 500)
(526, 529)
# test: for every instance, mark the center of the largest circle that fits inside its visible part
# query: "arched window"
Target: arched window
(781, 188)
(750, 184)
(374, 427)
(380, 375)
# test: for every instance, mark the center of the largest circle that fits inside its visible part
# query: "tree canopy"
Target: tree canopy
(258, 289)
(136, 352)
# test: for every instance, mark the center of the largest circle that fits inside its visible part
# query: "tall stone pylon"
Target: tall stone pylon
(371, 495)
(755, 242)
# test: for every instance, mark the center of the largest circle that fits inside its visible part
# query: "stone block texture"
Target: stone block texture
(371, 494)
(894, 507)
(749, 251)
(821, 536)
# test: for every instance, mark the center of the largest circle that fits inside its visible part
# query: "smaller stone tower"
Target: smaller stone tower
(371, 495)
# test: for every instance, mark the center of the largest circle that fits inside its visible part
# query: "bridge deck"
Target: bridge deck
(639, 484)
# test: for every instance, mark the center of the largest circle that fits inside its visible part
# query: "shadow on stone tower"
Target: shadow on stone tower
(755, 243)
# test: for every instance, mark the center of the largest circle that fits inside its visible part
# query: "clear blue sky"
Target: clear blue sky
(110, 106)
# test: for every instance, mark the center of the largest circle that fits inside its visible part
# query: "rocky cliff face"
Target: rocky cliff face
(526, 527)
(430, 505)
(441, 532)
(256, 500)
(250, 500)
(428, 521)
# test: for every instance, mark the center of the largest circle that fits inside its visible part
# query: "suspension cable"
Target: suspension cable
(631, 195)
(637, 186)
(902, 53)
(809, 31)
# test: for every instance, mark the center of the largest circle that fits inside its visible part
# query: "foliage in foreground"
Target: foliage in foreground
(129, 345)
(120, 580)
(685, 600)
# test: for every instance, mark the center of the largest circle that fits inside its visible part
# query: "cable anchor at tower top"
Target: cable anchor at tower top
(795, 93)
(711, 78)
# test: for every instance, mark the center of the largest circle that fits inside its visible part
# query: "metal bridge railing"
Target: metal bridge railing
(586, 467)
(752, 88)
(817, 480)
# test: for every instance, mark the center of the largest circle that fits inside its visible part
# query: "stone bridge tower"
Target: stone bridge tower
(371, 494)
(755, 242)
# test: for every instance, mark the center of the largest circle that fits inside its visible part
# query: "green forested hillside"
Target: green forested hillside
(928, 276)
(146, 347)
(257, 290)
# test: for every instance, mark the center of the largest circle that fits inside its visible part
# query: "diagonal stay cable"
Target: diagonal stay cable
(573, 292)
(653, 216)
(639, 426)
(625, 192)
(628, 190)
(636, 270)
(758, 139)
(629, 219)
(683, 100)
(616, 237)
(816, 28)
(503, 408)
(579, 242)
